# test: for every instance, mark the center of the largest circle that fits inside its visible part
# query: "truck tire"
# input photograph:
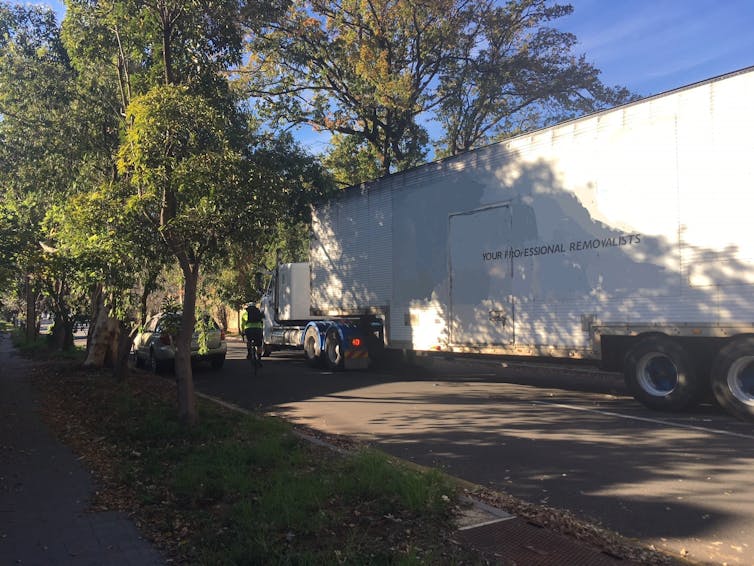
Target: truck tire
(733, 377)
(312, 348)
(660, 375)
(334, 351)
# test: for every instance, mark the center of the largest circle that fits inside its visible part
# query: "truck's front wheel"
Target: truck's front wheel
(334, 351)
(733, 377)
(659, 373)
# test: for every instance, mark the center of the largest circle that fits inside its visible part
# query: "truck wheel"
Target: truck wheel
(266, 350)
(333, 351)
(733, 377)
(312, 349)
(659, 373)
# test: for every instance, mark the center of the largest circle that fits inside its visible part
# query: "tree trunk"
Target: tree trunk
(125, 339)
(56, 338)
(68, 334)
(102, 336)
(96, 304)
(62, 332)
(183, 373)
(31, 311)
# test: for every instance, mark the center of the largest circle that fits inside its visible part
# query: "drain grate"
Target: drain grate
(515, 541)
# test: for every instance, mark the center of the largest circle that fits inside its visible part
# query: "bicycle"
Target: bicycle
(253, 355)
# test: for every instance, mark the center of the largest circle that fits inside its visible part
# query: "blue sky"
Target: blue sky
(650, 46)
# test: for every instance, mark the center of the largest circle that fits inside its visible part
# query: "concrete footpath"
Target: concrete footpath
(45, 516)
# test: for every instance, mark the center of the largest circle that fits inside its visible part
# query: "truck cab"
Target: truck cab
(347, 341)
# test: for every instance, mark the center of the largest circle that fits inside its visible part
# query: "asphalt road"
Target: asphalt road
(553, 435)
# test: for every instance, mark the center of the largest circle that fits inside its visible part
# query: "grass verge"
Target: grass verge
(244, 489)
(39, 348)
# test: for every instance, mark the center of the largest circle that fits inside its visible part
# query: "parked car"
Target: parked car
(154, 344)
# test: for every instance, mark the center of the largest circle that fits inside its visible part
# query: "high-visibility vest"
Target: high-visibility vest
(245, 324)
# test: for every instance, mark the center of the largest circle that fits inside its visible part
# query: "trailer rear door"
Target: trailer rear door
(480, 277)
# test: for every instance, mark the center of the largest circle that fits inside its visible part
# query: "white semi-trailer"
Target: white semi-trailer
(623, 237)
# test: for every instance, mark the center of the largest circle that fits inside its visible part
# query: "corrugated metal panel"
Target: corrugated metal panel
(323, 248)
(352, 252)
(353, 230)
(380, 245)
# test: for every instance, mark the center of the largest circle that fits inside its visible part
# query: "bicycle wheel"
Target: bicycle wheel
(253, 359)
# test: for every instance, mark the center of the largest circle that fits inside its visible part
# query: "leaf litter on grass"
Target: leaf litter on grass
(244, 489)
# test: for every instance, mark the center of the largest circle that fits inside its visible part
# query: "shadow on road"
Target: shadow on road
(547, 435)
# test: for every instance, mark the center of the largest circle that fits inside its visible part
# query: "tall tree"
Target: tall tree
(38, 150)
(360, 68)
(376, 71)
(513, 73)
(165, 60)
(301, 180)
(193, 188)
(116, 261)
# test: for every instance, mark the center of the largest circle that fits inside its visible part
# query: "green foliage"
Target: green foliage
(106, 246)
(39, 135)
(11, 241)
(204, 324)
(195, 191)
(185, 178)
(171, 311)
(77, 101)
(352, 160)
(280, 222)
(143, 44)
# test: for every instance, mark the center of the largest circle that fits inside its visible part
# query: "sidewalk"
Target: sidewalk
(45, 491)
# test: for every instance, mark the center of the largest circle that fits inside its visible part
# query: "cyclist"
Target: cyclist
(251, 327)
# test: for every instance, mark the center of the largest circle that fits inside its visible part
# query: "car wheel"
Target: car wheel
(733, 377)
(334, 351)
(659, 373)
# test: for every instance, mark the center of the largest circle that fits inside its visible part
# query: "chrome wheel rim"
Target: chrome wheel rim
(741, 380)
(657, 374)
(333, 350)
(309, 348)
